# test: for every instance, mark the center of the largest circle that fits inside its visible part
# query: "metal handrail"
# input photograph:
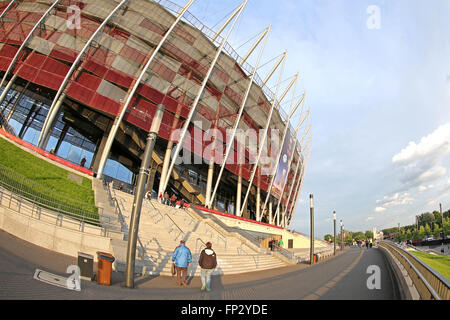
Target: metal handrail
(174, 224)
(38, 212)
(417, 277)
(39, 194)
(196, 244)
(46, 203)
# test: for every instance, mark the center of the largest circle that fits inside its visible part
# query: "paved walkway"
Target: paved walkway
(343, 277)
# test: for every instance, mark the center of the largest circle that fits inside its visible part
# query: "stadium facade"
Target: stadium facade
(84, 79)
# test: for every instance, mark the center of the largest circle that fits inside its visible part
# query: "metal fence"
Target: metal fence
(46, 197)
(32, 209)
(429, 284)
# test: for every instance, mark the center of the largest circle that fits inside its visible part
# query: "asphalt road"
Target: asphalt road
(344, 277)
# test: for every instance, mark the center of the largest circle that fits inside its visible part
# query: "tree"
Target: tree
(422, 232)
(447, 226)
(359, 236)
(329, 237)
(427, 230)
(437, 218)
(369, 234)
(426, 218)
(409, 235)
(437, 231)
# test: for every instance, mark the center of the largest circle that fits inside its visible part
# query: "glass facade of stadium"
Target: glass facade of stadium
(94, 96)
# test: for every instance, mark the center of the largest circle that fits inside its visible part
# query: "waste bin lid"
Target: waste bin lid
(85, 255)
(106, 256)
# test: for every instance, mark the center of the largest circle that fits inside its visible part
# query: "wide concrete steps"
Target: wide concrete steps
(159, 237)
(157, 261)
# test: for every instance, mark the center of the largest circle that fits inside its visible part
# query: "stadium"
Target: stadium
(86, 91)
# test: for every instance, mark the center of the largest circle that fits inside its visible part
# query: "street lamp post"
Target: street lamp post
(342, 236)
(334, 219)
(139, 196)
(311, 252)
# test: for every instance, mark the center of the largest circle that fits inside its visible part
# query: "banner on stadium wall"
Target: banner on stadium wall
(282, 172)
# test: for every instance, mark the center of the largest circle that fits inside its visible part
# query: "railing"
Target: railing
(29, 208)
(46, 197)
(172, 225)
(196, 245)
(142, 252)
(429, 284)
(207, 229)
(242, 252)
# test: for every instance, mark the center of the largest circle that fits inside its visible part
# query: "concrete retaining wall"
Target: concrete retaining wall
(51, 236)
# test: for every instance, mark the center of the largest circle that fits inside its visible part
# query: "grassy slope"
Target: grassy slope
(45, 173)
(439, 263)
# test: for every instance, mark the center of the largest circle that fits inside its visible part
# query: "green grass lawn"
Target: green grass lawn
(439, 263)
(45, 179)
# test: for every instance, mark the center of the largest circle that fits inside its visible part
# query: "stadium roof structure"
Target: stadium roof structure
(85, 78)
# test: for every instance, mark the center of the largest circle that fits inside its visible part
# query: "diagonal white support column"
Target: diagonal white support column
(238, 10)
(283, 57)
(57, 101)
(197, 100)
(266, 131)
(299, 164)
(118, 120)
(299, 189)
(7, 88)
(277, 161)
(24, 44)
(7, 8)
(236, 125)
(249, 53)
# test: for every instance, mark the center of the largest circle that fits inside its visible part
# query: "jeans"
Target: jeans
(206, 278)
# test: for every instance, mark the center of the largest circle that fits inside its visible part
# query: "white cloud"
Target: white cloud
(380, 209)
(420, 162)
(425, 188)
(394, 200)
(437, 143)
(370, 219)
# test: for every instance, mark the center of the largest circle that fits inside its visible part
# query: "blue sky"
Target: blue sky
(380, 102)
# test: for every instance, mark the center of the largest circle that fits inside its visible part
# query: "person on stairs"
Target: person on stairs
(207, 263)
(182, 257)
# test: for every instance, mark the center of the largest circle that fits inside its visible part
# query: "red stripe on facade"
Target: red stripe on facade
(236, 218)
(46, 154)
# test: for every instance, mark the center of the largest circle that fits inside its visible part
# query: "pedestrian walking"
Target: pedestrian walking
(280, 243)
(207, 263)
(367, 243)
(370, 243)
(166, 198)
(182, 257)
(83, 162)
(173, 200)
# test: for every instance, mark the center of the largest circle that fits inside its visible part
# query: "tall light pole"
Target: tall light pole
(342, 236)
(139, 196)
(311, 251)
(334, 219)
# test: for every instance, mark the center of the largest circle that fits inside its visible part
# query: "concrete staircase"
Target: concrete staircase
(161, 229)
(107, 210)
